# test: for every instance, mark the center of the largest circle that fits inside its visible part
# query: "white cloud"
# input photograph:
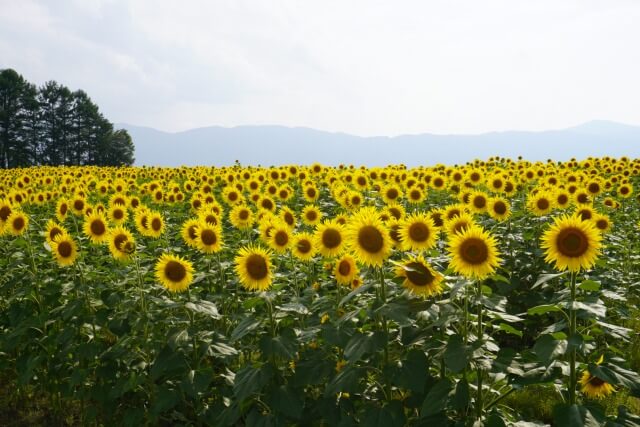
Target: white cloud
(366, 67)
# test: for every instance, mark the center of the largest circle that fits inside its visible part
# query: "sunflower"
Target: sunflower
(302, 246)
(174, 273)
(499, 208)
(416, 195)
(540, 203)
(288, 217)
(459, 223)
(391, 193)
(188, 232)
(121, 243)
(241, 217)
(585, 212)
(280, 238)
(17, 223)
(478, 202)
(311, 215)
(625, 191)
(571, 243)
(53, 229)
(208, 237)
(562, 199)
(345, 270)
(368, 237)
(5, 211)
(417, 232)
(329, 238)
(253, 267)
(156, 225)
(473, 253)
(64, 249)
(602, 222)
(95, 227)
(118, 214)
(419, 277)
(78, 204)
(594, 387)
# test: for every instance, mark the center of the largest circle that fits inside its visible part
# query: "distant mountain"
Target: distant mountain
(277, 145)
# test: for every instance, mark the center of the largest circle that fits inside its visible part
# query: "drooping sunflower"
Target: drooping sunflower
(52, 230)
(417, 232)
(253, 267)
(121, 243)
(368, 238)
(329, 238)
(473, 253)
(345, 270)
(302, 246)
(419, 277)
(594, 387)
(64, 249)
(174, 272)
(17, 223)
(208, 237)
(571, 243)
(95, 227)
(188, 232)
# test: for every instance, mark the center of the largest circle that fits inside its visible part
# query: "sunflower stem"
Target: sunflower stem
(572, 352)
(479, 408)
(385, 328)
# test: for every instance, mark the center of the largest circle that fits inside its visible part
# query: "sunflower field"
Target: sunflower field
(497, 293)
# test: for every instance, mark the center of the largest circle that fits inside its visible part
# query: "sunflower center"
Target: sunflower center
(97, 227)
(437, 219)
(156, 224)
(256, 267)
(624, 190)
(78, 205)
(304, 246)
(118, 214)
(582, 198)
(572, 242)
(208, 237)
(175, 271)
(243, 215)
(370, 239)
(5, 211)
(281, 238)
(394, 232)
(54, 233)
(563, 199)
(392, 194)
(192, 232)
(419, 275)
(119, 240)
(418, 232)
(18, 223)
(331, 238)
(65, 249)
(144, 221)
(415, 195)
(479, 202)
(395, 212)
(543, 204)
(500, 208)
(602, 224)
(267, 204)
(595, 381)
(585, 214)
(474, 251)
(63, 209)
(311, 215)
(344, 268)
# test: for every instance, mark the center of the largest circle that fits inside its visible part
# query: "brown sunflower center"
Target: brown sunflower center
(175, 271)
(243, 215)
(624, 190)
(54, 232)
(65, 249)
(191, 231)
(595, 381)
(118, 240)
(415, 195)
(474, 251)
(418, 274)
(156, 224)
(563, 199)
(267, 204)
(311, 215)
(542, 204)
(602, 224)
(395, 212)
(118, 214)
(331, 238)
(479, 202)
(392, 193)
(281, 238)
(572, 242)
(97, 227)
(78, 205)
(394, 232)
(418, 232)
(208, 237)
(304, 246)
(500, 208)
(257, 267)
(585, 214)
(63, 209)
(370, 239)
(437, 219)
(344, 268)
(582, 198)
(18, 223)
(144, 221)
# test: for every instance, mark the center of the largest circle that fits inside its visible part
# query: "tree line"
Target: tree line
(51, 125)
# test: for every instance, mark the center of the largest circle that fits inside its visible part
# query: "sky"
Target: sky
(364, 67)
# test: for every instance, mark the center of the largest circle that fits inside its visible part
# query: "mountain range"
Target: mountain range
(277, 145)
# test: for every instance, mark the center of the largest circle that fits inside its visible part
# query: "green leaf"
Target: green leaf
(542, 309)
(287, 401)
(573, 416)
(548, 348)
(413, 373)
(616, 375)
(346, 381)
(357, 291)
(283, 345)
(461, 398)
(165, 399)
(456, 355)
(391, 415)
(204, 307)
(436, 399)
(247, 325)
(590, 285)
(544, 278)
(510, 329)
(250, 380)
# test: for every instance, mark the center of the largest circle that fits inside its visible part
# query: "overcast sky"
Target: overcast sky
(363, 67)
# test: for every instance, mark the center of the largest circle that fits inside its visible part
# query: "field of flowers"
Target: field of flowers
(315, 295)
